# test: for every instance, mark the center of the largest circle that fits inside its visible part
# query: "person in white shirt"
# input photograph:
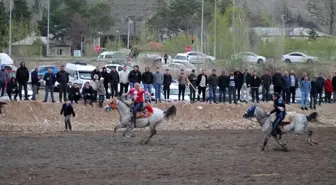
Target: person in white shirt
(124, 83)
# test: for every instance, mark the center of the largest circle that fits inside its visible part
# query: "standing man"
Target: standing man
(34, 81)
(67, 110)
(22, 76)
(134, 76)
(245, 90)
(95, 72)
(106, 82)
(320, 83)
(266, 81)
(313, 93)
(333, 81)
(192, 86)
(182, 81)
(148, 81)
(213, 83)
(277, 81)
(165, 58)
(114, 81)
(232, 88)
(50, 80)
(255, 84)
(293, 85)
(238, 83)
(124, 83)
(285, 88)
(202, 80)
(62, 78)
(167, 80)
(223, 83)
(3, 79)
(158, 81)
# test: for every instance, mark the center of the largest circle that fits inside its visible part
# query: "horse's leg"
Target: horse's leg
(128, 129)
(280, 143)
(116, 128)
(310, 140)
(265, 142)
(153, 132)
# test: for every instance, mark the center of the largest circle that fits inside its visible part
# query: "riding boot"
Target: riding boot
(278, 130)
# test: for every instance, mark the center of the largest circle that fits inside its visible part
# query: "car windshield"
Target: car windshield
(180, 57)
(118, 55)
(85, 75)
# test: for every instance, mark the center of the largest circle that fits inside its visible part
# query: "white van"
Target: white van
(79, 72)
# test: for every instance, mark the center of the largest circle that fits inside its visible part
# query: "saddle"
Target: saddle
(284, 123)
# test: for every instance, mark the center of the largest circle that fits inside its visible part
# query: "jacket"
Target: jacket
(277, 79)
(49, 79)
(238, 79)
(100, 88)
(134, 76)
(147, 77)
(255, 82)
(334, 83)
(22, 75)
(106, 77)
(12, 86)
(286, 82)
(247, 78)
(3, 76)
(223, 82)
(167, 79)
(328, 88)
(213, 80)
(88, 91)
(123, 76)
(34, 78)
(193, 79)
(296, 83)
(182, 80)
(320, 82)
(67, 110)
(74, 91)
(266, 80)
(277, 104)
(62, 77)
(158, 78)
(313, 90)
(199, 78)
(305, 86)
(95, 72)
(114, 77)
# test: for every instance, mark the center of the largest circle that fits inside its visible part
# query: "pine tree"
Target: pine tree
(21, 11)
(4, 25)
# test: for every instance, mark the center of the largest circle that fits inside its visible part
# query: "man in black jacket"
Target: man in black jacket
(245, 89)
(34, 82)
(266, 81)
(320, 82)
(107, 79)
(147, 80)
(238, 82)
(223, 83)
(95, 72)
(74, 94)
(114, 81)
(202, 81)
(22, 76)
(333, 81)
(134, 76)
(62, 78)
(192, 86)
(50, 80)
(255, 84)
(67, 110)
(167, 80)
(277, 81)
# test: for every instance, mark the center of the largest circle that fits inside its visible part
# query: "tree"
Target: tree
(21, 11)
(324, 12)
(99, 17)
(4, 25)
(78, 28)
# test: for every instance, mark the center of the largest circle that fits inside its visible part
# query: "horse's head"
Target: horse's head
(250, 111)
(111, 105)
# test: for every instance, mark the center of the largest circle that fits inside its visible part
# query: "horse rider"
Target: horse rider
(138, 99)
(280, 110)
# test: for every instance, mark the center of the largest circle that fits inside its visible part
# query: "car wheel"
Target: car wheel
(309, 61)
(260, 61)
(287, 61)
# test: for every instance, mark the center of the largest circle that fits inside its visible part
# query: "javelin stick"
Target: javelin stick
(193, 87)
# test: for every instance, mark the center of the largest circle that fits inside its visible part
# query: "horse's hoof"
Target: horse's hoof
(285, 150)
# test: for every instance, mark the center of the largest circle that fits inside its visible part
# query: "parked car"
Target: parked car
(114, 56)
(30, 94)
(249, 57)
(176, 68)
(196, 57)
(173, 96)
(117, 66)
(187, 65)
(296, 57)
(42, 70)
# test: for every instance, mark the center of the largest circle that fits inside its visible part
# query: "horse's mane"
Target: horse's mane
(124, 102)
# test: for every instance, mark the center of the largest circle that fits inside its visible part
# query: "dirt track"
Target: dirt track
(193, 157)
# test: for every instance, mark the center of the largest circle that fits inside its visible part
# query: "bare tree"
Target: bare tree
(78, 28)
(324, 12)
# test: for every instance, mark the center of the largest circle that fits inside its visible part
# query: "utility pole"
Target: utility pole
(10, 29)
(48, 29)
(128, 32)
(215, 28)
(202, 25)
(284, 19)
(233, 27)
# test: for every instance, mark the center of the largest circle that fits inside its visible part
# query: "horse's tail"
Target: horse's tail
(312, 117)
(170, 112)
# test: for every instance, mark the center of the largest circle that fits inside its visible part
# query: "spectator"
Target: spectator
(245, 90)
(277, 81)
(304, 74)
(285, 87)
(114, 81)
(158, 81)
(50, 80)
(238, 82)
(74, 94)
(62, 78)
(213, 83)
(12, 88)
(313, 94)
(22, 77)
(106, 76)
(182, 80)
(67, 110)
(94, 85)
(266, 81)
(232, 88)
(101, 92)
(202, 80)
(3, 79)
(134, 76)
(305, 89)
(334, 88)
(167, 80)
(255, 84)
(223, 83)
(95, 72)
(165, 56)
(192, 78)
(88, 93)
(34, 82)
(328, 88)
(148, 81)
(293, 85)
(320, 83)
(124, 82)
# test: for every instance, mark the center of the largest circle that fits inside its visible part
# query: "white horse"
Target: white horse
(125, 114)
(298, 124)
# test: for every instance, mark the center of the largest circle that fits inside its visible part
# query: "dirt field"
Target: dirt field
(191, 157)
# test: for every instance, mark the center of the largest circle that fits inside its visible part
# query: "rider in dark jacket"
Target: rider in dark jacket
(280, 110)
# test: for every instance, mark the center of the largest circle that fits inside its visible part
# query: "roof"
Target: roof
(80, 67)
(5, 59)
(30, 40)
(293, 32)
(183, 54)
